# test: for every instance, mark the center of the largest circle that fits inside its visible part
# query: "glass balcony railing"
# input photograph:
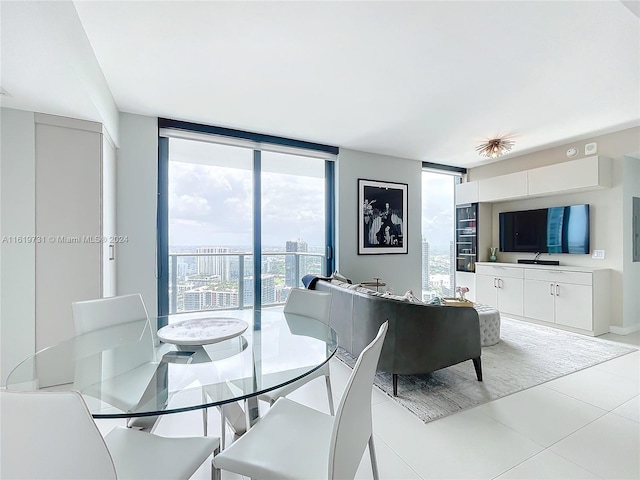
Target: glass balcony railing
(225, 281)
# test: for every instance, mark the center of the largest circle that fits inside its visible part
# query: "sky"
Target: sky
(212, 205)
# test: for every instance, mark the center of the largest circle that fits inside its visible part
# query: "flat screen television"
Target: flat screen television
(546, 230)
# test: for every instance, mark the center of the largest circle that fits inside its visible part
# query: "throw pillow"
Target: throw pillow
(341, 278)
(410, 297)
(393, 297)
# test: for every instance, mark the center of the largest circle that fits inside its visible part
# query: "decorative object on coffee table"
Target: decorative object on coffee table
(462, 291)
(456, 302)
(382, 217)
(376, 284)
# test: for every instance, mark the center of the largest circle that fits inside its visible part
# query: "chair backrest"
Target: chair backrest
(91, 315)
(51, 435)
(352, 426)
(309, 303)
(105, 312)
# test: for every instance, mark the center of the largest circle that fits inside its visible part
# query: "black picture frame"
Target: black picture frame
(382, 217)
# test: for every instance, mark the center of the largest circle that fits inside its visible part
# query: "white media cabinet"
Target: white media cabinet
(571, 298)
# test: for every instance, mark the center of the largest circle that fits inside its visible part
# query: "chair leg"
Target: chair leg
(374, 461)
(394, 376)
(205, 414)
(329, 395)
(215, 472)
(223, 429)
(477, 363)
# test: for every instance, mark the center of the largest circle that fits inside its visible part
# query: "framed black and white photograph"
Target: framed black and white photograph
(382, 217)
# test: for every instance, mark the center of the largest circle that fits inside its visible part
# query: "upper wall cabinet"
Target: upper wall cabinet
(466, 193)
(504, 187)
(590, 173)
(577, 175)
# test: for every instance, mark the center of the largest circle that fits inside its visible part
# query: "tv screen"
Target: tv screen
(546, 230)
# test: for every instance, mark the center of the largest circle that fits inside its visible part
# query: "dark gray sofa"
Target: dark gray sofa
(420, 339)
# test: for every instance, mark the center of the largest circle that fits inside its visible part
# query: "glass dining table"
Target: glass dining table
(122, 371)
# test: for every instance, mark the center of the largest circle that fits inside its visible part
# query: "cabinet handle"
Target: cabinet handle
(557, 290)
(494, 282)
(551, 289)
(499, 283)
(112, 251)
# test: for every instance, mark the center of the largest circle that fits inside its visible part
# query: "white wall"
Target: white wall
(17, 292)
(399, 271)
(137, 192)
(608, 220)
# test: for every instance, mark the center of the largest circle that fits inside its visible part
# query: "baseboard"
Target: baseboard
(624, 330)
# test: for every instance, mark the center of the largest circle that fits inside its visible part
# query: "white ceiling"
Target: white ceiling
(423, 80)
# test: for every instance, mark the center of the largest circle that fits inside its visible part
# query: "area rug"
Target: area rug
(527, 355)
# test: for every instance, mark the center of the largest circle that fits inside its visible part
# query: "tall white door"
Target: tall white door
(68, 210)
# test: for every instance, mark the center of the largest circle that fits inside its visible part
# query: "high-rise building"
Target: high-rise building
(214, 264)
(425, 265)
(292, 277)
(268, 283)
(198, 299)
(203, 298)
(452, 270)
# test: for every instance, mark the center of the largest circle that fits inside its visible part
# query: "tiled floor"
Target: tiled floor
(583, 425)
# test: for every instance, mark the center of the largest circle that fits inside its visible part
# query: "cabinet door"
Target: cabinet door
(539, 299)
(504, 187)
(574, 306)
(510, 295)
(466, 193)
(486, 292)
(67, 211)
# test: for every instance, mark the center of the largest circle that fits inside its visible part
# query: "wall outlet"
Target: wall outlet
(599, 254)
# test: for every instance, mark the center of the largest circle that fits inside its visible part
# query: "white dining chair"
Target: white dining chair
(293, 441)
(51, 435)
(317, 305)
(308, 303)
(135, 359)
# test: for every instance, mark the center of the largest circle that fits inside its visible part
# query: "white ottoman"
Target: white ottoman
(489, 324)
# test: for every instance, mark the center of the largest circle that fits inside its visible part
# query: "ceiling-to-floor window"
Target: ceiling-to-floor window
(438, 239)
(241, 220)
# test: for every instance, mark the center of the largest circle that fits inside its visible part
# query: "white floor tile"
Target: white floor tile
(465, 445)
(630, 339)
(541, 414)
(390, 465)
(630, 409)
(547, 466)
(597, 387)
(608, 447)
(627, 366)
